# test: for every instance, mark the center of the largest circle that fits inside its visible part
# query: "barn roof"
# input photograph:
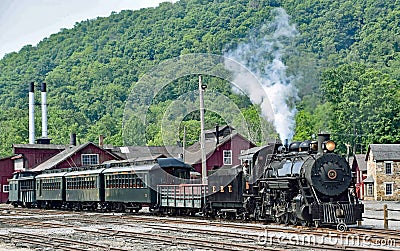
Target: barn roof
(222, 128)
(134, 152)
(382, 152)
(41, 146)
(193, 154)
(62, 156)
(362, 164)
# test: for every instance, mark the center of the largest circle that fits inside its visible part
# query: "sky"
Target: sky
(24, 22)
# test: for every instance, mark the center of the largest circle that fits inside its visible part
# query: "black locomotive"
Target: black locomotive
(305, 183)
(301, 183)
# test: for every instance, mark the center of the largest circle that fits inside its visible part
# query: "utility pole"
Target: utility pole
(184, 143)
(348, 151)
(203, 136)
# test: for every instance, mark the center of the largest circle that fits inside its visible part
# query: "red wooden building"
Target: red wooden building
(35, 154)
(223, 150)
(359, 168)
(39, 157)
(6, 171)
(77, 156)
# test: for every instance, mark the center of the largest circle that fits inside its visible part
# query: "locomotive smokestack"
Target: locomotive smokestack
(322, 137)
(44, 111)
(32, 113)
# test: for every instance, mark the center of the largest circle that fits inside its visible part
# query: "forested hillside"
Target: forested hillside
(347, 57)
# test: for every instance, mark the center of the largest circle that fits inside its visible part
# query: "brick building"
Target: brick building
(383, 172)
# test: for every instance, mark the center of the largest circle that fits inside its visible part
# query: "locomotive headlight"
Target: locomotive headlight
(330, 145)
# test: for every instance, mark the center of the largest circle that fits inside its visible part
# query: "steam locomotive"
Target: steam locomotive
(301, 183)
(305, 182)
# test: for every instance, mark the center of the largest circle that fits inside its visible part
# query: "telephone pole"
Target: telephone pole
(202, 136)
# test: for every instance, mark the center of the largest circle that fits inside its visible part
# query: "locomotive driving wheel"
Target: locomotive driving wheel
(277, 219)
(285, 218)
(293, 219)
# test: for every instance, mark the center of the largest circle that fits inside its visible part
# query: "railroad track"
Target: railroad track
(273, 234)
(355, 239)
(58, 243)
(178, 240)
(227, 235)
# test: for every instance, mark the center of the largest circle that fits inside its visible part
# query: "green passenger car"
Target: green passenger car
(129, 187)
(22, 189)
(50, 190)
(134, 186)
(84, 189)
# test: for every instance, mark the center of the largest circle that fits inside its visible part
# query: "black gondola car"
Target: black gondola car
(225, 192)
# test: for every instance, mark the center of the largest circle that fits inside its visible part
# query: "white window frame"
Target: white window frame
(91, 155)
(6, 188)
(391, 167)
(242, 160)
(227, 160)
(370, 189)
(386, 192)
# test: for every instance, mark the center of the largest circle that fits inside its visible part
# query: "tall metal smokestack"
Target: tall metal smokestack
(44, 111)
(32, 113)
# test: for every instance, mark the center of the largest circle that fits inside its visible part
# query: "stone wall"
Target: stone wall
(376, 169)
(382, 178)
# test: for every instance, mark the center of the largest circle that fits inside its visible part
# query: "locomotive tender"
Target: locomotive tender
(301, 183)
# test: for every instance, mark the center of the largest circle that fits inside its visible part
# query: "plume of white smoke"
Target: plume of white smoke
(262, 54)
